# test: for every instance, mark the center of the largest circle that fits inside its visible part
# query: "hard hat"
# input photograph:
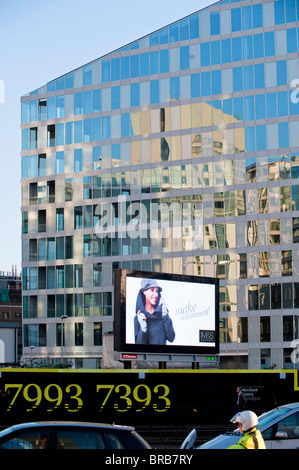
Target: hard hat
(247, 419)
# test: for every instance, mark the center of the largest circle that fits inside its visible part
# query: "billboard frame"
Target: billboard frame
(120, 343)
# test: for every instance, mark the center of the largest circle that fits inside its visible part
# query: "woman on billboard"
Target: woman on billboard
(152, 323)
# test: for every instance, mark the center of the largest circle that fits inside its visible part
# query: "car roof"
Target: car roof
(39, 424)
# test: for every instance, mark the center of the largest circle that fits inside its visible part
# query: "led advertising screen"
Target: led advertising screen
(165, 313)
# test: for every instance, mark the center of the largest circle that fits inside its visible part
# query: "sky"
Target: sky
(41, 41)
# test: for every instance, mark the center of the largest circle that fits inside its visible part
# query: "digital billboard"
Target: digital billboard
(165, 313)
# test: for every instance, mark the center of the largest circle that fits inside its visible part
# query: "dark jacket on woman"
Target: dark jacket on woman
(159, 326)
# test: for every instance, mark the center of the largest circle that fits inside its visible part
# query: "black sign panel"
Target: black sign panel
(139, 397)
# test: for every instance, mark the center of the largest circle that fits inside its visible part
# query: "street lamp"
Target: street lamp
(63, 317)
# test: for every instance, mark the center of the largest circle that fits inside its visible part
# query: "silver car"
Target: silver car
(279, 427)
(70, 435)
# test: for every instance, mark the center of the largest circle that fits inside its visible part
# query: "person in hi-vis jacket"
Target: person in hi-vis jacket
(152, 323)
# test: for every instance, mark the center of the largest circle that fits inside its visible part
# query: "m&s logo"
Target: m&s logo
(206, 336)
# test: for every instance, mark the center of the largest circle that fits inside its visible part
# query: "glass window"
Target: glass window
(144, 64)
(106, 77)
(164, 61)
(260, 107)
(106, 127)
(279, 13)
(261, 139)
(184, 57)
(59, 106)
(154, 39)
(283, 134)
(194, 26)
(174, 32)
(215, 52)
(289, 425)
(28, 439)
(33, 110)
(25, 139)
(226, 54)
(258, 41)
(59, 219)
(215, 23)
(247, 47)
(33, 137)
(291, 40)
(264, 294)
(115, 69)
(216, 82)
(125, 67)
(96, 101)
(246, 17)
(154, 62)
(163, 36)
(60, 133)
(96, 129)
(51, 251)
(135, 94)
(78, 103)
(250, 139)
(125, 125)
(236, 19)
(271, 105)
(78, 160)
(195, 85)
(25, 112)
(68, 133)
(87, 102)
(175, 88)
(282, 103)
(275, 296)
(257, 16)
(249, 108)
(253, 300)
(59, 163)
(154, 91)
(134, 66)
(205, 83)
(205, 54)
(237, 49)
(248, 77)
(265, 330)
(259, 76)
(281, 72)
(184, 29)
(269, 44)
(115, 97)
(287, 295)
(237, 79)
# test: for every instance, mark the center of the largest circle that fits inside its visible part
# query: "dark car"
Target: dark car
(70, 435)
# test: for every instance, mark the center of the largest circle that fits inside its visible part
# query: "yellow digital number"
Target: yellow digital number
(110, 388)
(162, 397)
(18, 387)
(57, 398)
(124, 397)
(37, 398)
(74, 397)
(140, 398)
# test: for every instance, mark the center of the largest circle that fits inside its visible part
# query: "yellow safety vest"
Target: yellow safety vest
(251, 439)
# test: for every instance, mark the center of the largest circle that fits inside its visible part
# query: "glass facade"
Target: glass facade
(176, 153)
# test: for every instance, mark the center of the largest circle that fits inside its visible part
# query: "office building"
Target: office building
(199, 119)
